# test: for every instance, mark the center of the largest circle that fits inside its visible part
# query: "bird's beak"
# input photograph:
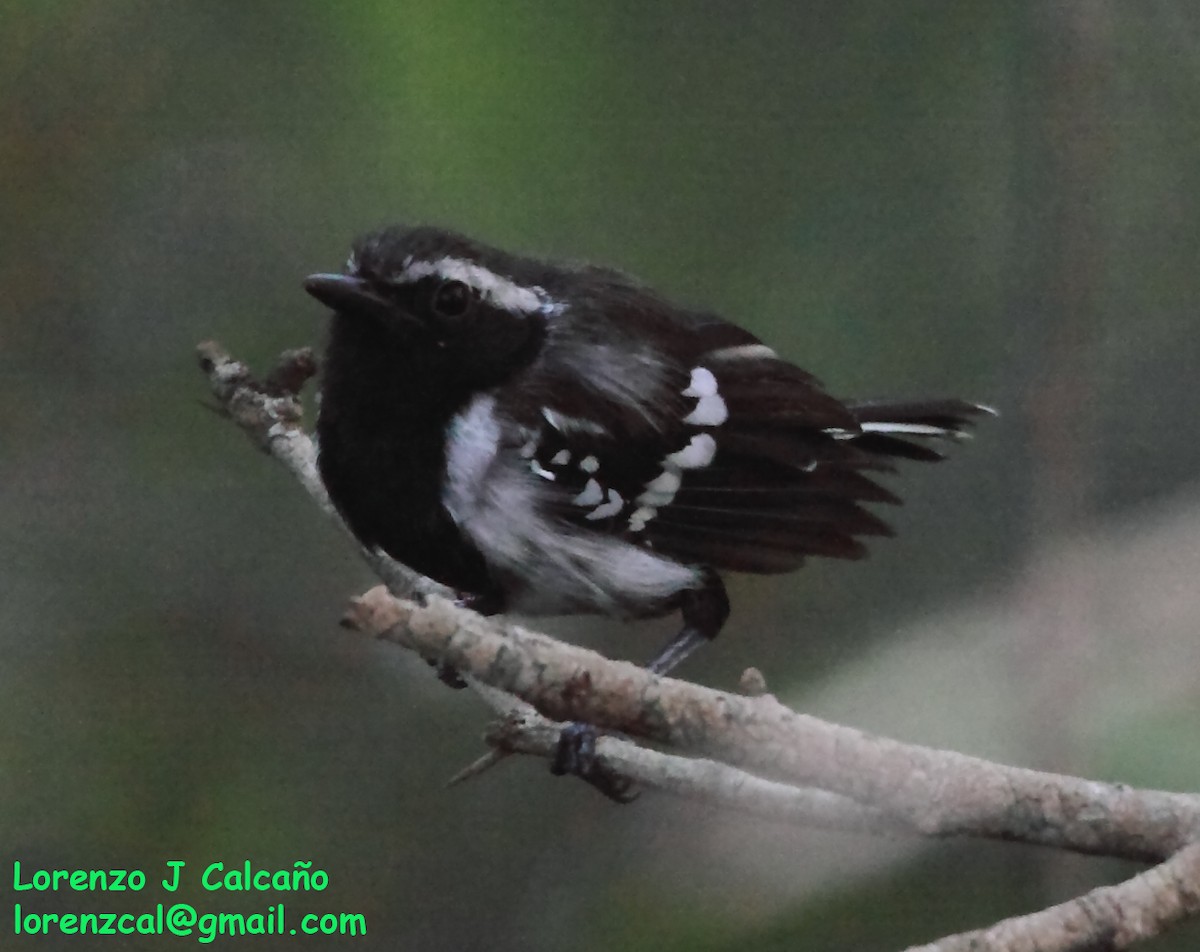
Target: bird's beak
(346, 294)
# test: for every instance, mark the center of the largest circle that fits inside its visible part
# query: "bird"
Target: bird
(554, 438)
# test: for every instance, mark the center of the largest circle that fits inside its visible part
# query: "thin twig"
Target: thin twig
(272, 416)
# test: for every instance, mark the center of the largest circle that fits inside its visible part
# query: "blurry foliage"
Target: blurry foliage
(866, 185)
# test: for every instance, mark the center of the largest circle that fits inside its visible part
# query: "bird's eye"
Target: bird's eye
(451, 299)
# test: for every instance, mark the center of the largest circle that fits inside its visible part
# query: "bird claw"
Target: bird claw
(576, 754)
(447, 674)
(485, 603)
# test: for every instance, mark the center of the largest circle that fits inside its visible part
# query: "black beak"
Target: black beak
(346, 294)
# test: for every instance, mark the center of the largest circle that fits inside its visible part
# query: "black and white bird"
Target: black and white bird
(559, 439)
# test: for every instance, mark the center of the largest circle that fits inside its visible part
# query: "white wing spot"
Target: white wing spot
(666, 482)
(703, 383)
(610, 508)
(561, 458)
(639, 517)
(529, 450)
(591, 495)
(696, 455)
(661, 490)
(711, 409)
(589, 464)
(742, 352)
(537, 468)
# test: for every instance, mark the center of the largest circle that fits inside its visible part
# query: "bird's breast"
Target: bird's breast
(384, 468)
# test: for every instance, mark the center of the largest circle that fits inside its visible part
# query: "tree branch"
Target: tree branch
(935, 792)
(521, 729)
(753, 754)
(1108, 918)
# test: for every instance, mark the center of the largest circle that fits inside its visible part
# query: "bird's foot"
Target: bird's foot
(576, 754)
(487, 603)
(484, 603)
(448, 675)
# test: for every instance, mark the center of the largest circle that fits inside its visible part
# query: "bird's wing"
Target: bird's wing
(706, 447)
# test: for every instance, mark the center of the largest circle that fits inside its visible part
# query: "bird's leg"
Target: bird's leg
(704, 612)
(485, 603)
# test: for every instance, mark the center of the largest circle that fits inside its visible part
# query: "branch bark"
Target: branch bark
(522, 730)
(934, 792)
(754, 754)
(1111, 917)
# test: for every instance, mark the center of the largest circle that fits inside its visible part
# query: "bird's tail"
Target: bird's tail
(794, 468)
(900, 428)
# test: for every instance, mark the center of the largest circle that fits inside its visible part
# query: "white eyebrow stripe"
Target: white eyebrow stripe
(495, 288)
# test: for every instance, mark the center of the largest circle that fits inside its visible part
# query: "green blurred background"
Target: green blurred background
(992, 200)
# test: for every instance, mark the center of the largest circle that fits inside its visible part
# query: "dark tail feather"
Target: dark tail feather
(897, 428)
(951, 417)
(794, 466)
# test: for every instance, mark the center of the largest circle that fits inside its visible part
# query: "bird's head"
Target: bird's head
(465, 310)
